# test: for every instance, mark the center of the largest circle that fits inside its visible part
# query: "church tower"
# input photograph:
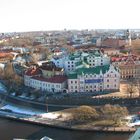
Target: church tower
(128, 38)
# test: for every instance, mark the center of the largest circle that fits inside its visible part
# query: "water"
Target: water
(11, 129)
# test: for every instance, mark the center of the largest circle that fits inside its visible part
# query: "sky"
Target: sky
(43, 15)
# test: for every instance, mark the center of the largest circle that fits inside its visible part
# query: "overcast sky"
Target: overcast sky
(32, 15)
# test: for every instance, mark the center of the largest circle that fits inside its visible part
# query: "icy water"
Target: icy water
(12, 129)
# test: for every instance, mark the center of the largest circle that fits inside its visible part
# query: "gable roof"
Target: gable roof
(94, 70)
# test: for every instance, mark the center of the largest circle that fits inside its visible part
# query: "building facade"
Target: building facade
(129, 66)
(75, 60)
(46, 78)
(99, 78)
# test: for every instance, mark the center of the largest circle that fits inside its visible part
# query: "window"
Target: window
(107, 80)
(76, 87)
(108, 86)
(86, 86)
(71, 87)
(75, 82)
(95, 86)
(115, 85)
(115, 75)
(71, 82)
(108, 75)
(68, 66)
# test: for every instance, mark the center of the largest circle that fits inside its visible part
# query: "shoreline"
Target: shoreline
(35, 120)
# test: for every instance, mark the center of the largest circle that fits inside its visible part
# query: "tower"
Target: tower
(128, 37)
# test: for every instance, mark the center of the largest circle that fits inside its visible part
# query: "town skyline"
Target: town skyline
(43, 15)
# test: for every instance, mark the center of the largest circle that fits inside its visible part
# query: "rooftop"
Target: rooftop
(33, 71)
(93, 70)
(51, 68)
(54, 79)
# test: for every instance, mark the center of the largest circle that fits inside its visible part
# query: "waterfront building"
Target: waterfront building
(46, 78)
(99, 78)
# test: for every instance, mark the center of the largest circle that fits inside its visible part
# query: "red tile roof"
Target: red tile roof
(54, 79)
(51, 68)
(33, 72)
(5, 54)
(124, 58)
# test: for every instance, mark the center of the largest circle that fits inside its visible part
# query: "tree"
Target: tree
(11, 77)
(1, 73)
(84, 113)
(113, 112)
(131, 89)
(138, 85)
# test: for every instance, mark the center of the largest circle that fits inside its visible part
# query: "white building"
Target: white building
(34, 78)
(96, 58)
(99, 78)
(89, 59)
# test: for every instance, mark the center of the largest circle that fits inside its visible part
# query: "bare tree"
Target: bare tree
(131, 89)
(138, 85)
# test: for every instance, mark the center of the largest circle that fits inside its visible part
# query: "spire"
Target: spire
(129, 42)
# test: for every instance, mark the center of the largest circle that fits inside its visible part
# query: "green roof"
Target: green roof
(136, 136)
(94, 70)
(72, 76)
(78, 63)
(72, 56)
(95, 53)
